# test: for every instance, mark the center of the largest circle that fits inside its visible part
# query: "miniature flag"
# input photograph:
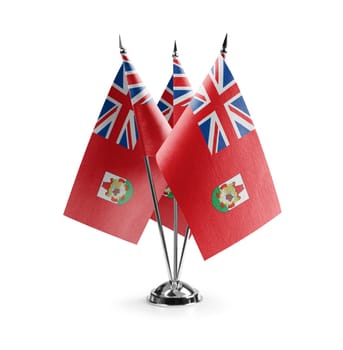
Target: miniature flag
(174, 100)
(111, 192)
(214, 164)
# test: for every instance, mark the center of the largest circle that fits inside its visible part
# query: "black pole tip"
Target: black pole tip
(223, 50)
(122, 49)
(175, 54)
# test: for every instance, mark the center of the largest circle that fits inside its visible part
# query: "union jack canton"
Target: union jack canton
(220, 126)
(117, 120)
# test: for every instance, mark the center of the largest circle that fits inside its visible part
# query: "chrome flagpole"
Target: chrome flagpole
(153, 195)
(176, 229)
(174, 292)
(175, 211)
(185, 240)
(158, 216)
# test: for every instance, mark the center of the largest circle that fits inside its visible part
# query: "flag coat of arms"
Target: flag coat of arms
(174, 100)
(111, 191)
(215, 166)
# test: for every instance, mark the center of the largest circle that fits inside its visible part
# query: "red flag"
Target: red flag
(111, 191)
(214, 163)
(173, 102)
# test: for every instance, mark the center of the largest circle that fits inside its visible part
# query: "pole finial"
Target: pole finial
(122, 49)
(175, 54)
(223, 50)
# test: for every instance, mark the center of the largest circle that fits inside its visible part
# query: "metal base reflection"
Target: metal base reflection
(174, 293)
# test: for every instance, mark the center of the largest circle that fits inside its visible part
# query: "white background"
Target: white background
(66, 286)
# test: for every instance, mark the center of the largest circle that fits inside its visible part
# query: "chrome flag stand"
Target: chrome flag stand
(173, 292)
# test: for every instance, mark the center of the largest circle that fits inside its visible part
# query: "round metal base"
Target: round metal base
(173, 293)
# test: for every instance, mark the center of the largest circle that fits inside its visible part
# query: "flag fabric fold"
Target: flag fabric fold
(111, 191)
(215, 166)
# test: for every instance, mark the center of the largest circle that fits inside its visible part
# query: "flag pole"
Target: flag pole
(158, 216)
(185, 240)
(187, 234)
(153, 194)
(175, 292)
(176, 229)
(175, 212)
(178, 264)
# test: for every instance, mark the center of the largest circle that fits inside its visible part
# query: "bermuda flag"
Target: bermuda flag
(214, 164)
(111, 192)
(174, 100)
